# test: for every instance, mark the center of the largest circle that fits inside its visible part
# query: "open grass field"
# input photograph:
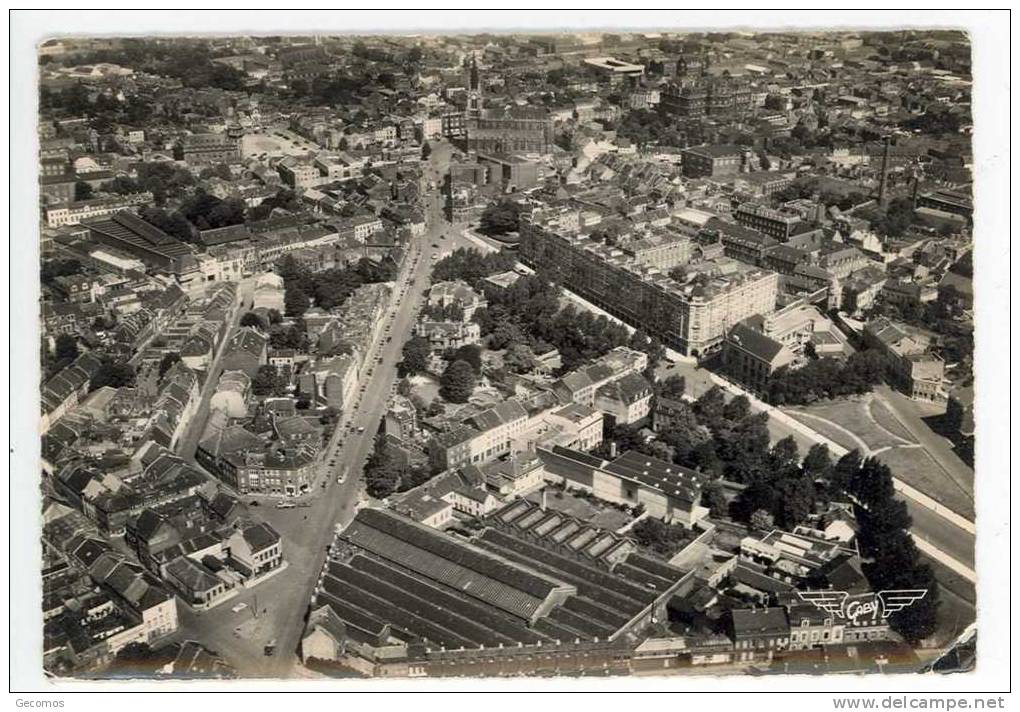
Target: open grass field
(826, 428)
(919, 470)
(857, 416)
(886, 420)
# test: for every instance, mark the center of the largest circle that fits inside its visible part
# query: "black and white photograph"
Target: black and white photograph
(554, 354)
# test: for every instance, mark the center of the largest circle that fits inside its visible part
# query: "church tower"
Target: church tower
(474, 99)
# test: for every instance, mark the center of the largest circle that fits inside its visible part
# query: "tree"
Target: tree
(678, 274)
(472, 354)
(500, 218)
(51, 269)
(785, 455)
(519, 358)
(457, 382)
(416, 354)
(426, 151)
(715, 497)
(709, 407)
(113, 374)
(82, 190)
(167, 362)
(253, 319)
(288, 337)
(897, 217)
(817, 463)
(295, 301)
(505, 334)
(268, 382)
(795, 500)
(66, 348)
(762, 520)
(174, 224)
(329, 415)
(872, 484)
(846, 469)
(920, 619)
(738, 408)
(953, 417)
(673, 387)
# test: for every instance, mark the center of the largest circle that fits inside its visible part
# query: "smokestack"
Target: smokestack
(545, 494)
(913, 196)
(885, 173)
(612, 449)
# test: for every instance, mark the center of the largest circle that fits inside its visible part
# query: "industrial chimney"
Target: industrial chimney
(885, 173)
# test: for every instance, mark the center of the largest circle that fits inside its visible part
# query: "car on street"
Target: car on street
(285, 505)
(239, 607)
(253, 503)
(361, 429)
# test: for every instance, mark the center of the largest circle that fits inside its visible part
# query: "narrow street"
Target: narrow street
(188, 443)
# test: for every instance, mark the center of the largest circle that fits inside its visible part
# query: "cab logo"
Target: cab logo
(864, 608)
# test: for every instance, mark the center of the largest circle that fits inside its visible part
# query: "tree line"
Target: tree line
(827, 378)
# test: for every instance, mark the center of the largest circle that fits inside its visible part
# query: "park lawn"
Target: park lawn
(885, 418)
(823, 428)
(854, 415)
(918, 469)
(779, 430)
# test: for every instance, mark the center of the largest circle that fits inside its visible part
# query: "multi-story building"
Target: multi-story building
(626, 401)
(759, 633)
(205, 148)
(527, 129)
(691, 318)
(751, 356)
(663, 251)
(297, 175)
(774, 223)
(614, 70)
(738, 242)
(456, 294)
(714, 161)
(706, 97)
(915, 368)
(811, 627)
(74, 213)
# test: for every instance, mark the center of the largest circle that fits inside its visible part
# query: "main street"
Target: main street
(276, 608)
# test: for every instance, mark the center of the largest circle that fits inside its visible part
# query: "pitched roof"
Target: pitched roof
(754, 342)
(749, 622)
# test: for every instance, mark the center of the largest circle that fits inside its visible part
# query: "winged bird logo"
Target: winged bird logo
(829, 601)
(876, 606)
(898, 599)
